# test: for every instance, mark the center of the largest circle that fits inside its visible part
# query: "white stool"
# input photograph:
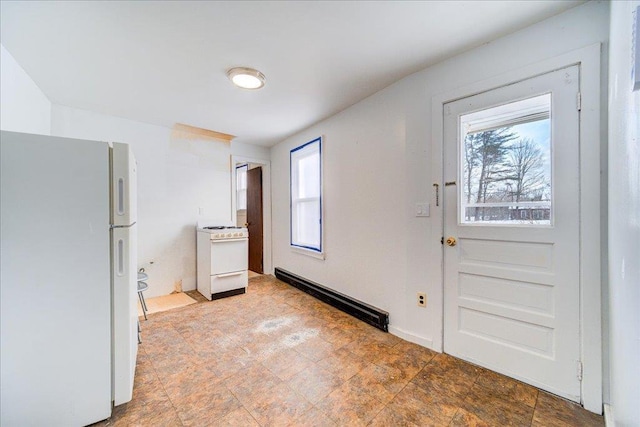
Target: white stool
(142, 286)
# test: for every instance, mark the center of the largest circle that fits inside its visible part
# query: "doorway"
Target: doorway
(511, 231)
(250, 209)
(254, 219)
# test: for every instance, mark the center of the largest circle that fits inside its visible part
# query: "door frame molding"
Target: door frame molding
(267, 261)
(592, 142)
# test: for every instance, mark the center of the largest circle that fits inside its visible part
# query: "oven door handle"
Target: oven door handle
(237, 273)
(239, 239)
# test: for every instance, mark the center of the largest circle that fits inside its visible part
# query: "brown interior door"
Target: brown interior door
(254, 218)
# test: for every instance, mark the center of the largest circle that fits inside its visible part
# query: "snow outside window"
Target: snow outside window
(306, 196)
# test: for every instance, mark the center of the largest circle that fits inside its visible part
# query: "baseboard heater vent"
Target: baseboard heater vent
(358, 309)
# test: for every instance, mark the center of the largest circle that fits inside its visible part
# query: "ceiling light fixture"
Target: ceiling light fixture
(246, 78)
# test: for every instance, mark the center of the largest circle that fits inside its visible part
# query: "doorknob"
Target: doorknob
(451, 241)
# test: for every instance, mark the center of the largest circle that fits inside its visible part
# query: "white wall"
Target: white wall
(176, 179)
(248, 150)
(378, 165)
(624, 222)
(23, 106)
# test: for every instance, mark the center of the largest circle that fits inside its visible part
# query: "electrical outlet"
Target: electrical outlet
(422, 299)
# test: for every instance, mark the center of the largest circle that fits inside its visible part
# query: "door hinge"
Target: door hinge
(579, 371)
(579, 101)
(442, 240)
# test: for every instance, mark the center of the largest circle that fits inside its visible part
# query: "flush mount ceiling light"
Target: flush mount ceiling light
(246, 78)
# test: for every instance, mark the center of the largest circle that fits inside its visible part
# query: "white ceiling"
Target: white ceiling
(164, 62)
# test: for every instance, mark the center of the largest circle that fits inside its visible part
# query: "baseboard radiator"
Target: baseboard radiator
(358, 309)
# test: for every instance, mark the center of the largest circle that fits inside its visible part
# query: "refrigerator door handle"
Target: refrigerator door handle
(120, 196)
(120, 257)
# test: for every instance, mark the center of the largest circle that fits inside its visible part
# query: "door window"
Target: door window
(506, 157)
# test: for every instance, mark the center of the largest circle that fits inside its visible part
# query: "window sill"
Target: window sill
(308, 252)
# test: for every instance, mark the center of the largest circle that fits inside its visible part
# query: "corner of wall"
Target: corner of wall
(23, 105)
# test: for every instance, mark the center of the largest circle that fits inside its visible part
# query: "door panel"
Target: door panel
(254, 219)
(228, 256)
(512, 204)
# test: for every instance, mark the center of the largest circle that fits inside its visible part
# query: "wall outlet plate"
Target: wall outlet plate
(422, 299)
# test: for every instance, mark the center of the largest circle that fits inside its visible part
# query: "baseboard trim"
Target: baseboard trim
(408, 336)
(608, 416)
(358, 309)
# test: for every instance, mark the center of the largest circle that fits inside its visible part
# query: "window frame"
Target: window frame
(293, 201)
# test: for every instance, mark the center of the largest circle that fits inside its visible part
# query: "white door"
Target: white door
(511, 236)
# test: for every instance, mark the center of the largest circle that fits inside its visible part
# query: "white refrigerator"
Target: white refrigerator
(68, 279)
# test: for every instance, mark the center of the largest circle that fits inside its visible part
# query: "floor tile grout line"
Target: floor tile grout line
(177, 412)
(454, 416)
(193, 352)
(503, 398)
(155, 371)
(243, 405)
(281, 382)
(533, 414)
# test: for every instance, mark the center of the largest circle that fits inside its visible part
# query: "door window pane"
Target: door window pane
(506, 164)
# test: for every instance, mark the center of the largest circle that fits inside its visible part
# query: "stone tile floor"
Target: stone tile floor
(278, 357)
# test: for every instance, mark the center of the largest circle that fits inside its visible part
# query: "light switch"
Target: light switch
(422, 209)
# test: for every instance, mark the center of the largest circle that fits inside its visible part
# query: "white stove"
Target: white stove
(222, 260)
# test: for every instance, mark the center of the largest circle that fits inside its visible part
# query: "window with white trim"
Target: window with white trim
(241, 187)
(306, 196)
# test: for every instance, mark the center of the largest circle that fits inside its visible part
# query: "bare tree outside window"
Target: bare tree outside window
(507, 175)
(525, 164)
(486, 153)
